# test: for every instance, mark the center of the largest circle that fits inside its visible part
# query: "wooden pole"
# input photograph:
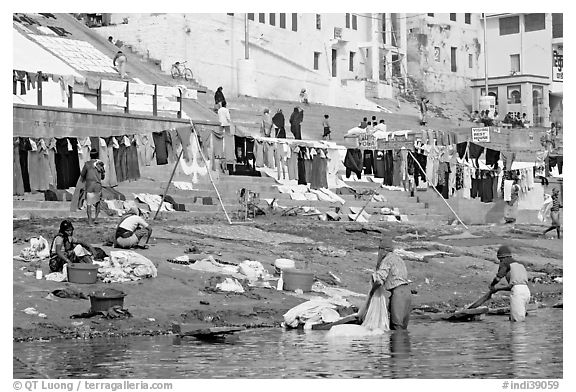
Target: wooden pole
(442, 197)
(210, 176)
(363, 208)
(169, 182)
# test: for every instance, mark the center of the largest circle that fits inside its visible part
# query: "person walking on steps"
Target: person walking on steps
(296, 119)
(517, 277)
(279, 125)
(555, 213)
(423, 105)
(326, 126)
(119, 62)
(391, 273)
(219, 99)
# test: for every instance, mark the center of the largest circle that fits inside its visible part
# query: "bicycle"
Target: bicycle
(178, 69)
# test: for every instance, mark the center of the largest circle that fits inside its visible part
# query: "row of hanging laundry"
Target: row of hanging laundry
(41, 163)
(469, 170)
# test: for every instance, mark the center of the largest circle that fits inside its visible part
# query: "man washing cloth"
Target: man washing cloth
(391, 272)
(131, 230)
(517, 278)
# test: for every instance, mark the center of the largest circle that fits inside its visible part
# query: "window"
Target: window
(294, 22)
(318, 22)
(262, 18)
(283, 21)
(431, 14)
(453, 59)
(251, 16)
(437, 54)
(453, 17)
(272, 19)
(557, 26)
(354, 22)
(510, 25)
(383, 28)
(534, 22)
(334, 62)
(514, 63)
(470, 61)
(316, 60)
(467, 18)
(514, 95)
(351, 65)
(347, 21)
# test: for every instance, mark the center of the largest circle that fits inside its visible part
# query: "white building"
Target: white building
(524, 66)
(338, 58)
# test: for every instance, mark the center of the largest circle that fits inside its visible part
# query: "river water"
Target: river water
(492, 348)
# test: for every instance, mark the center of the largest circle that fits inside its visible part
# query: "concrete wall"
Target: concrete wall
(284, 59)
(425, 33)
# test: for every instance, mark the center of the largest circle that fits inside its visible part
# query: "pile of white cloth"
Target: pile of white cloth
(230, 285)
(38, 250)
(315, 311)
(254, 270)
(153, 201)
(125, 266)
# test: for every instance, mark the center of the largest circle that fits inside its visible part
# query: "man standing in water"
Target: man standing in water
(391, 272)
(517, 277)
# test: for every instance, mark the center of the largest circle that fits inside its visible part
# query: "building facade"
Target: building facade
(444, 50)
(524, 66)
(336, 57)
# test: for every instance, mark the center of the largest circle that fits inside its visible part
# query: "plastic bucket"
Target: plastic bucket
(103, 300)
(296, 279)
(82, 273)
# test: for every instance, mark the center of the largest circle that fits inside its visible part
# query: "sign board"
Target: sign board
(481, 135)
(558, 67)
(367, 142)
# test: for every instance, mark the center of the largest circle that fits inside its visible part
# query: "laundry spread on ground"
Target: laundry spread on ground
(125, 266)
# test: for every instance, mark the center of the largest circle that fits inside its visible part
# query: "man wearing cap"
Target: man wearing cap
(391, 272)
(517, 277)
(131, 230)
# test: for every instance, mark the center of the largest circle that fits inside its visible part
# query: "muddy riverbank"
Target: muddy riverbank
(441, 282)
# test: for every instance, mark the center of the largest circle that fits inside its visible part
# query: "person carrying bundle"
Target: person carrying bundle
(390, 275)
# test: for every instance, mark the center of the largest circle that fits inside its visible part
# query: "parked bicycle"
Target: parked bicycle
(180, 70)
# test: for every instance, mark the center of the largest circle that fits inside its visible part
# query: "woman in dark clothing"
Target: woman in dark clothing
(279, 121)
(295, 121)
(62, 248)
(219, 97)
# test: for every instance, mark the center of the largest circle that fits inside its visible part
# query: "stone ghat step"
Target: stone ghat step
(203, 211)
(231, 196)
